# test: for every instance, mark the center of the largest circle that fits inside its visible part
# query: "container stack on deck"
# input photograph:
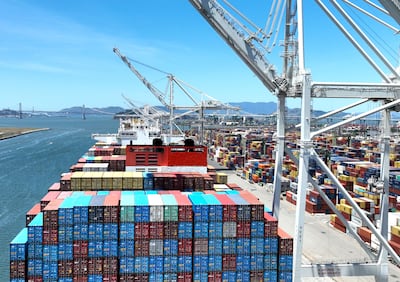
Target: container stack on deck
(152, 236)
(149, 231)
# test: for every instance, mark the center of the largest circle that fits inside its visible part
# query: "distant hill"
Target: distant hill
(256, 108)
(8, 112)
(259, 108)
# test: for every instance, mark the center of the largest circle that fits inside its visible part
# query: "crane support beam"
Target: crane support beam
(333, 208)
(355, 90)
(393, 7)
(340, 270)
(227, 27)
(346, 121)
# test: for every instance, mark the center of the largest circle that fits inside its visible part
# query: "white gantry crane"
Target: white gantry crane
(200, 107)
(253, 44)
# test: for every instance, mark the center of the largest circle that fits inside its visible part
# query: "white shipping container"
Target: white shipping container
(156, 208)
(156, 247)
(229, 229)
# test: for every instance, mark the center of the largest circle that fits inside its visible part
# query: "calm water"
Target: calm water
(31, 163)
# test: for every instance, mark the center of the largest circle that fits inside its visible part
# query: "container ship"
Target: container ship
(149, 212)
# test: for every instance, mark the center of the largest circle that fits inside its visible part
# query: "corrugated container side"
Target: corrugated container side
(32, 213)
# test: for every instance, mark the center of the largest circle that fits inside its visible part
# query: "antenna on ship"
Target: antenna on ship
(83, 112)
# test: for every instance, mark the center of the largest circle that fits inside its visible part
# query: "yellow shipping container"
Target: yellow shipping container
(360, 202)
(97, 181)
(344, 177)
(107, 180)
(137, 180)
(86, 181)
(98, 159)
(76, 179)
(395, 229)
(222, 178)
(117, 180)
(347, 209)
(127, 180)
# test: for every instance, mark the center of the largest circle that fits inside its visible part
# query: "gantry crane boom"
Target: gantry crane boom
(157, 93)
(393, 7)
(241, 42)
(296, 81)
(199, 107)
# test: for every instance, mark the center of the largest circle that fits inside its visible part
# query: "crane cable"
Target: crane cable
(373, 34)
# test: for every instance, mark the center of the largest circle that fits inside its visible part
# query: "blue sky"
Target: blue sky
(58, 54)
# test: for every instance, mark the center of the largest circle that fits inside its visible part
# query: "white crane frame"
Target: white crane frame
(297, 83)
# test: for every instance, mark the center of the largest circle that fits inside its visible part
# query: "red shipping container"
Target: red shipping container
(111, 213)
(256, 276)
(185, 212)
(80, 278)
(34, 279)
(95, 266)
(229, 262)
(142, 248)
(200, 246)
(141, 277)
(257, 208)
(110, 278)
(80, 249)
(185, 277)
(395, 246)
(65, 268)
(126, 277)
(171, 230)
(111, 207)
(32, 213)
(50, 237)
(50, 212)
(80, 267)
(395, 238)
(51, 195)
(215, 276)
(54, 187)
(142, 230)
(110, 266)
(270, 225)
(229, 207)
(285, 242)
(65, 182)
(339, 227)
(346, 216)
(17, 269)
(156, 230)
(185, 247)
(365, 234)
(243, 229)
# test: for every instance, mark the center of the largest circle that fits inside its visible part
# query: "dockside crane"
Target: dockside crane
(253, 44)
(200, 107)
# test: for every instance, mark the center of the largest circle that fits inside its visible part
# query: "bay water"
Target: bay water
(31, 163)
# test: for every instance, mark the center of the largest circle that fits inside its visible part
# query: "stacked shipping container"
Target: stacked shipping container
(152, 236)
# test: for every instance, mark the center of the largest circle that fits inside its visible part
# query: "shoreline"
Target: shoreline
(15, 132)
